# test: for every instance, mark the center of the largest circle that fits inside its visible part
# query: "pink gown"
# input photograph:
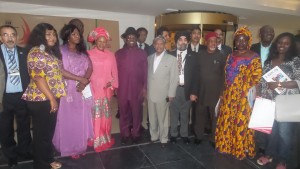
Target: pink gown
(104, 71)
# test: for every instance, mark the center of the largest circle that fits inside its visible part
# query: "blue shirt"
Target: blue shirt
(10, 88)
(264, 52)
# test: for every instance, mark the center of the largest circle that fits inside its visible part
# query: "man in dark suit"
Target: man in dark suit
(162, 31)
(224, 49)
(16, 81)
(180, 105)
(210, 81)
(142, 36)
(266, 34)
(195, 45)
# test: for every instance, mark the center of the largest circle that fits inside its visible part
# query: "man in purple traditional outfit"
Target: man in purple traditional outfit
(132, 71)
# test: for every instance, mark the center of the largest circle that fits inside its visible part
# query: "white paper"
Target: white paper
(181, 79)
(263, 115)
(276, 75)
(86, 92)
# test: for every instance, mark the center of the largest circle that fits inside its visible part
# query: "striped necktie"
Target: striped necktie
(179, 62)
(12, 65)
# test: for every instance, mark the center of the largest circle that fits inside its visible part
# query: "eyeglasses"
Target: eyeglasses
(6, 35)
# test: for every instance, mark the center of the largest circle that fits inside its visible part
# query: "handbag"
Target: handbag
(262, 116)
(287, 108)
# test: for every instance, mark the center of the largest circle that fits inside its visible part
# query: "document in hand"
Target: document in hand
(263, 114)
(276, 75)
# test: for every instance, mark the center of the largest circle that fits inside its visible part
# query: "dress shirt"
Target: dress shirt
(141, 45)
(220, 46)
(183, 55)
(10, 88)
(157, 60)
(264, 52)
(193, 47)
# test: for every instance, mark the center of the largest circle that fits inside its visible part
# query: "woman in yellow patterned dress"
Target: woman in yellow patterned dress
(243, 71)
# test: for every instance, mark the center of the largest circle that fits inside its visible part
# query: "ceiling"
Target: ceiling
(285, 12)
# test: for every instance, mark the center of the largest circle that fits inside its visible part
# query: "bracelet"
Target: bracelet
(279, 85)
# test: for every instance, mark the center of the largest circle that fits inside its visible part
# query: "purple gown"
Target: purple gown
(74, 120)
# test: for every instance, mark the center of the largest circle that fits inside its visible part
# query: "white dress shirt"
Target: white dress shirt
(157, 60)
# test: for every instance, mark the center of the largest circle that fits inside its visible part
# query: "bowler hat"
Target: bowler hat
(129, 31)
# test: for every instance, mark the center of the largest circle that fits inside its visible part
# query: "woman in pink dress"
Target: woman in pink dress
(104, 80)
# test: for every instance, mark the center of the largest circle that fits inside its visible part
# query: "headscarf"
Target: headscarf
(96, 33)
(244, 31)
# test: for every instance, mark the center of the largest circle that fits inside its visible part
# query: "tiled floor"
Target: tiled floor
(146, 155)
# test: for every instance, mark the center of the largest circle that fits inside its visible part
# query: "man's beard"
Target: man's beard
(182, 47)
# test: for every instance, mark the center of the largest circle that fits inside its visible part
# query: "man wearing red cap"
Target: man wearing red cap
(132, 70)
(210, 80)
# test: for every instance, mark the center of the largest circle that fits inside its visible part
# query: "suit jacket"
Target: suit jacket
(2, 84)
(256, 48)
(147, 49)
(201, 47)
(164, 81)
(189, 73)
(225, 50)
(22, 56)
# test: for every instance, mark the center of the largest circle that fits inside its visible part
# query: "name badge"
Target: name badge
(181, 79)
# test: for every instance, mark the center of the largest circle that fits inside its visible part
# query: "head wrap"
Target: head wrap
(244, 31)
(210, 35)
(186, 34)
(96, 33)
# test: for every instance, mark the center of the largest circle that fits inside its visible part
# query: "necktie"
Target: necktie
(179, 61)
(12, 65)
(140, 45)
(195, 49)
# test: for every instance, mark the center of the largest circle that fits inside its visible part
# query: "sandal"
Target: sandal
(55, 165)
(263, 160)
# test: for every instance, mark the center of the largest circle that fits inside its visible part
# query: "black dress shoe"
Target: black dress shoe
(135, 140)
(197, 141)
(12, 162)
(213, 144)
(173, 140)
(163, 145)
(186, 140)
(124, 140)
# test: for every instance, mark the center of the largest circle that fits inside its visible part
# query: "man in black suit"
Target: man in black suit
(266, 34)
(16, 81)
(195, 45)
(180, 105)
(164, 32)
(210, 81)
(224, 49)
(142, 36)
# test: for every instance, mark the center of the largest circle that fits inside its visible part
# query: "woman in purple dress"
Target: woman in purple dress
(74, 121)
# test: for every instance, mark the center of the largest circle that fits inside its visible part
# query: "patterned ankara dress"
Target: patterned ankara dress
(232, 133)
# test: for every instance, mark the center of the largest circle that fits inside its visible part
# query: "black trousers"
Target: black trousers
(204, 115)
(43, 130)
(14, 107)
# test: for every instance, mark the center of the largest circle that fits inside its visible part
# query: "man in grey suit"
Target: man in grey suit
(162, 84)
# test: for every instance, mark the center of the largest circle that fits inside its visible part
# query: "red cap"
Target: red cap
(210, 35)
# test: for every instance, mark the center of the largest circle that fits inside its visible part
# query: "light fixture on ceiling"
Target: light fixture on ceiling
(172, 10)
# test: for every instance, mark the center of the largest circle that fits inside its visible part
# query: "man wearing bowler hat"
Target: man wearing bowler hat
(132, 71)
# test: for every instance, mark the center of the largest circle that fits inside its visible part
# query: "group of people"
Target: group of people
(67, 90)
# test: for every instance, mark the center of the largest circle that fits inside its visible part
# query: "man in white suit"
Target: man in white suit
(162, 84)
